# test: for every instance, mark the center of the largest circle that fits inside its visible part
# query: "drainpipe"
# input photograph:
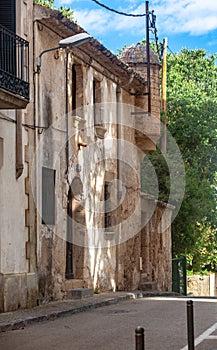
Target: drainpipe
(118, 118)
(67, 121)
(69, 246)
(19, 144)
(148, 57)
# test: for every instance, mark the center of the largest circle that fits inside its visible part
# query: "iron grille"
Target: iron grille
(14, 63)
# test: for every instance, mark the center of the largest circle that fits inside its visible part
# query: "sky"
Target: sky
(185, 23)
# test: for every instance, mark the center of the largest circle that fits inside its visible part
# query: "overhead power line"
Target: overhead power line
(171, 51)
(118, 12)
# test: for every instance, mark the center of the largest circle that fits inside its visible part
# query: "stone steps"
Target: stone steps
(148, 286)
(73, 284)
(75, 289)
(79, 293)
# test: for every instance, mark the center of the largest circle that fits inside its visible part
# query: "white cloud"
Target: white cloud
(93, 21)
(66, 3)
(186, 16)
(173, 16)
(101, 21)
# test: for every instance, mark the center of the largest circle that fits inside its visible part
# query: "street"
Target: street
(113, 327)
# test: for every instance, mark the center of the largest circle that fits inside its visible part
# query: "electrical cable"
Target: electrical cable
(152, 23)
(174, 54)
(158, 45)
(35, 126)
(171, 51)
(9, 119)
(4, 117)
(118, 12)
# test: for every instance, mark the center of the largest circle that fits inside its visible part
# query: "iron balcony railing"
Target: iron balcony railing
(14, 63)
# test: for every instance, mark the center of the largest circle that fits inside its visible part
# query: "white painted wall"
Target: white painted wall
(13, 203)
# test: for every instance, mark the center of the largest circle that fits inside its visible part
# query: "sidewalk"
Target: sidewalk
(19, 319)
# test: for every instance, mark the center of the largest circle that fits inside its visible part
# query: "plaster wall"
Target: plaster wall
(18, 282)
(13, 203)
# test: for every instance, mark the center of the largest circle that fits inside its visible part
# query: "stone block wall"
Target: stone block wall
(18, 291)
(156, 242)
(202, 285)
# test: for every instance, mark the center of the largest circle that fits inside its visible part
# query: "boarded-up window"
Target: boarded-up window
(48, 196)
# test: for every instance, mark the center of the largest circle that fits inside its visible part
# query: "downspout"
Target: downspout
(69, 246)
(67, 121)
(19, 144)
(148, 57)
(118, 118)
(36, 169)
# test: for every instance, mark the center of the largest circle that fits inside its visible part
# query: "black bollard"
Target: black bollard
(139, 337)
(190, 324)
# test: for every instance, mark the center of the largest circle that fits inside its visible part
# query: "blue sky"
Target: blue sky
(185, 23)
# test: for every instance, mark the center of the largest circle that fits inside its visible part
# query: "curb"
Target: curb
(22, 323)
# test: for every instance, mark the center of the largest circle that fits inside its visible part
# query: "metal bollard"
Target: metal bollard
(190, 324)
(139, 337)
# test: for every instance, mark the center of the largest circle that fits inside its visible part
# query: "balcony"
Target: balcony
(14, 70)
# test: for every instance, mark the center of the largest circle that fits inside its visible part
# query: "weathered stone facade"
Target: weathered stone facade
(202, 285)
(78, 218)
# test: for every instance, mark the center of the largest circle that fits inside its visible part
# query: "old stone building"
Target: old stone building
(74, 128)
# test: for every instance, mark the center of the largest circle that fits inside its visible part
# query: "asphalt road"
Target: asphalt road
(113, 327)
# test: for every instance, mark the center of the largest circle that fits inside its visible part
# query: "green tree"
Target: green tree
(66, 11)
(192, 119)
(47, 3)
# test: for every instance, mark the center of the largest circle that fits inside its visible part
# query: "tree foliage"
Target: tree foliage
(192, 120)
(66, 11)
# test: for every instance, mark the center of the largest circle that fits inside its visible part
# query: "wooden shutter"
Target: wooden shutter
(8, 14)
(48, 196)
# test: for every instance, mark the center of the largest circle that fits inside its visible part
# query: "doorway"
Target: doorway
(76, 228)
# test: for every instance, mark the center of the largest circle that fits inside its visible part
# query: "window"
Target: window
(107, 211)
(48, 196)
(74, 88)
(77, 89)
(96, 101)
(8, 40)
(8, 14)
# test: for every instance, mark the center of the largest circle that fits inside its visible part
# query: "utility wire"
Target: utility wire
(171, 51)
(5, 117)
(175, 55)
(118, 12)
(152, 22)
(158, 45)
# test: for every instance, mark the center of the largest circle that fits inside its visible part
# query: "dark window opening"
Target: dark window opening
(97, 101)
(77, 90)
(8, 40)
(48, 196)
(107, 214)
(8, 14)
(74, 88)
